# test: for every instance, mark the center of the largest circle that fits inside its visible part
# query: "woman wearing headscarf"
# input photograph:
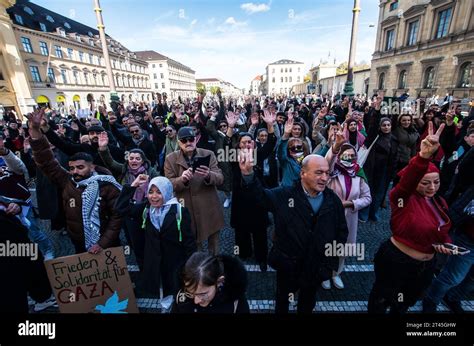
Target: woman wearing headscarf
(169, 240)
(352, 190)
(291, 152)
(404, 264)
(137, 164)
(380, 166)
(352, 134)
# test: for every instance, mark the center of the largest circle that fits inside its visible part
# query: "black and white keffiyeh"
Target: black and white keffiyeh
(90, 206)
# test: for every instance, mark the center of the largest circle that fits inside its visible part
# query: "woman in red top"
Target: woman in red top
(404, 264)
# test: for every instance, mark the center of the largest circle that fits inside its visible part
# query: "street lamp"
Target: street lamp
(349, 88)
(114, 99)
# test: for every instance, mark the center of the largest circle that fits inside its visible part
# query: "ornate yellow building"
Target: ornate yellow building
(61, 61)
(424, 48)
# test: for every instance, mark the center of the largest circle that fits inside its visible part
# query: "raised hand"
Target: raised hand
(35, 119)
(269, 117)
(339, 137)
(246, 161)
(254, 119)
(141, 180)
(323, 112)
(430, 144)
(289, 124)
(232, 119)
(103, 140)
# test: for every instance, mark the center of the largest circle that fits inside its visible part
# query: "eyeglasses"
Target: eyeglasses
(187, 140)
(202, 296)
(296, 148)
(136, 131)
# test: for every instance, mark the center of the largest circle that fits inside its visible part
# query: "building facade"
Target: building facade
(64, 64)
(227, 88)
(335, 84)
(15, 90)
(255, 85)
(282, 75)
(169, 76)
(425, 48)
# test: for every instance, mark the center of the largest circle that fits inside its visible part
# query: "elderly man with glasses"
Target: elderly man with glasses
(195, 186)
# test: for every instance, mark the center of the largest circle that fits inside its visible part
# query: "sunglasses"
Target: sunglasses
(187, 140)
(136, 131)
(296, 148)
(223, 125)
(169, 131)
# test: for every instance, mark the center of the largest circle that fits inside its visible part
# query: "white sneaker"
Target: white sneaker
(337, 281)
(227, 203)
(326, 284)
(51, 301)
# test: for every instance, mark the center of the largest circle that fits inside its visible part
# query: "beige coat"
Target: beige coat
(199, 197)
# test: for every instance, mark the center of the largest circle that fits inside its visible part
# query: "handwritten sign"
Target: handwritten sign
(87, 283)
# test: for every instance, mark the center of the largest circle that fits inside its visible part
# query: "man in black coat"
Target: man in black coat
(309, 221)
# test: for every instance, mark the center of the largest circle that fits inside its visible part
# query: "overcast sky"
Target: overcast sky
(233, 40)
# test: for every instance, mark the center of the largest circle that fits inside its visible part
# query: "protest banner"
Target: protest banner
(92, 283)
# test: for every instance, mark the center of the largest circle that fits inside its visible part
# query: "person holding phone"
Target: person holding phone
(197, 188)
(405, 263)
(454, 277)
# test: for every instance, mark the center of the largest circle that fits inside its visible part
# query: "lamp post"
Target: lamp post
(114, 99)
(348, 88)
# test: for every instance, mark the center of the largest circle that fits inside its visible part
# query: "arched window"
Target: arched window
(382, 81)
(465, 75)
(402, 80)
(429, 78)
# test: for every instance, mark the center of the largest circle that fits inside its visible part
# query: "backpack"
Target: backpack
(179, 218)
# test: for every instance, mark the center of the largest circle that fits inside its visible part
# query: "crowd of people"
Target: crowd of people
(312, 167)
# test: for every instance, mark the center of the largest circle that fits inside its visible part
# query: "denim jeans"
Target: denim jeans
(456, 269)
(37, 235)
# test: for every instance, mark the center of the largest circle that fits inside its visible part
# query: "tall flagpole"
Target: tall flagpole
(114, 99)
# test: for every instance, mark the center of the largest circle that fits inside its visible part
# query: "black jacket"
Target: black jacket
(165, 253)
(22, 275)
(300, 235)
(230, 298)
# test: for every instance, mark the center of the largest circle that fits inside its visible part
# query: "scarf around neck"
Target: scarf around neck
(91, 204)
(140, 192)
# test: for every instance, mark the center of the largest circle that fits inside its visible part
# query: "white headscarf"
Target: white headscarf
(157, 215)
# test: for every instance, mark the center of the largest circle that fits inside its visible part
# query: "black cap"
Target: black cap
(96, 128)
(186, 132)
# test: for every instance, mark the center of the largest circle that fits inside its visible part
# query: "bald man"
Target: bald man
(309, 218)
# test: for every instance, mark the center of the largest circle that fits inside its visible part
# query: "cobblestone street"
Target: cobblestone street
(358, 275)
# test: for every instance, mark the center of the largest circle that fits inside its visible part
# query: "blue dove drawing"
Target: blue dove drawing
(113, 306)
